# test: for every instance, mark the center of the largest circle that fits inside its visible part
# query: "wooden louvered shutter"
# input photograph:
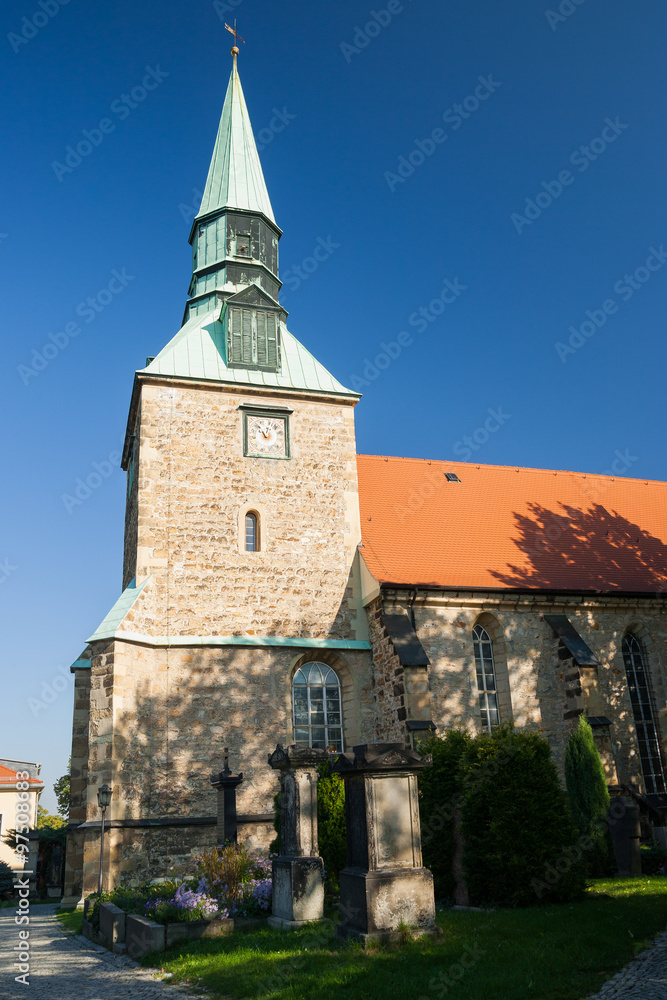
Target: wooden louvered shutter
(261, 337)
(246, 315)
(271, 341)
(235, 340)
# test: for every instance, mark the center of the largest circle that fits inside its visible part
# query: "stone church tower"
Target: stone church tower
(240, 560)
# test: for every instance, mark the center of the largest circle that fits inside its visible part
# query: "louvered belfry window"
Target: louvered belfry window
(642, 709)
(252, 338)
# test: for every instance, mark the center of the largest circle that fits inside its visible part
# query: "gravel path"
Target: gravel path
(643, 979)
(66, 967)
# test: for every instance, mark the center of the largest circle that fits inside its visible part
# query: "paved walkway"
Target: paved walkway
(65, 967)
(643, 979)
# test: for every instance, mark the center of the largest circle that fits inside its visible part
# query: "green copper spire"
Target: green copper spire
(235, 178)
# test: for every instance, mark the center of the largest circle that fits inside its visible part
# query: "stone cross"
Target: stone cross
(226, 784)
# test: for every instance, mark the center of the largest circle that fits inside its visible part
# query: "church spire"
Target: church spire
(235, 178)
(234, 236)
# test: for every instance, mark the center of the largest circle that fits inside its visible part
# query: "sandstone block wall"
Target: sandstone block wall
(532, 681)
(193, 487)
(158, 722)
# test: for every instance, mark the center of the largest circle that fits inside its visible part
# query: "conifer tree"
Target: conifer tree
(587, 791)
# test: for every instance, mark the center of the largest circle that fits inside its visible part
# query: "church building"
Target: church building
(279, 587)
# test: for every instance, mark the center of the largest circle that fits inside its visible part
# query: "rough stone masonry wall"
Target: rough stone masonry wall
(194, 488)
(530, 667)
(78, 784)
(159, 721)
(388, 681)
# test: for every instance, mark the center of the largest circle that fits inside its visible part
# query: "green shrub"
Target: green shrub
(589, 798)
(6, 881)
(520, 839)
(439, 797)
(331, 823)
(654, 859)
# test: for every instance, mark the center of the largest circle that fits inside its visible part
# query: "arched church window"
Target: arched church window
(251, 532)
(642, 710)
(486, 678)
(316, 706)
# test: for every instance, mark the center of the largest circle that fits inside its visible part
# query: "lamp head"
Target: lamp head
(104, 796)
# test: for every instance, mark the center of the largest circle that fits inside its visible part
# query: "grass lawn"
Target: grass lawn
(549, 953)
(71, 919)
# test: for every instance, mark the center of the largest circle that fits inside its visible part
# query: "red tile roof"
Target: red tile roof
(504, 527)
(7, 776)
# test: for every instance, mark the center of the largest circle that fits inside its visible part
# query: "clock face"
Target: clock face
(266, 436)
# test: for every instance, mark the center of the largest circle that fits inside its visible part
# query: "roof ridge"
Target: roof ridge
(514, 468)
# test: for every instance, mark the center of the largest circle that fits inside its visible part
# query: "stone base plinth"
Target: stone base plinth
(379, 904)
(298, 891)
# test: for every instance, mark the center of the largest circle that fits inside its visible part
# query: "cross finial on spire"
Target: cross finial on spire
(237, 38)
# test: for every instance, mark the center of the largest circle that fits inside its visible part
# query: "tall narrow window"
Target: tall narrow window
(316, 707)
(251, 532)
(486, 678)
(642, 709)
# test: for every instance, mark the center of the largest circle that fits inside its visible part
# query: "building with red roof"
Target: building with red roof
(278, 588)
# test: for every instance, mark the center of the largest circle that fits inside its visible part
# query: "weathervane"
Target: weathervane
(237, 38)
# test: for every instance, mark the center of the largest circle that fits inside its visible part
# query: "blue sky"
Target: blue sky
(540, 200)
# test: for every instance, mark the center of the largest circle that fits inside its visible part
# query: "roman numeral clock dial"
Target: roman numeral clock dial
(266, 436)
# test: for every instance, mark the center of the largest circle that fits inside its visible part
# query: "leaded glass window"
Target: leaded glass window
(486, 678)
(316, 705)
(642, 709)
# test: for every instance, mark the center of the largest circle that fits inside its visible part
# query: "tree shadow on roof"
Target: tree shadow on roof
(595, 549)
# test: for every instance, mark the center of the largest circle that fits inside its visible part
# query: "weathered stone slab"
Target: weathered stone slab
(87, 929)
(143, 936)
(191, 931)
(377, 902)
(298, 891)
(112, 924)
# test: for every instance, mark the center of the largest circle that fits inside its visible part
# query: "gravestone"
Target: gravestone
(384, 885)
(298, 872)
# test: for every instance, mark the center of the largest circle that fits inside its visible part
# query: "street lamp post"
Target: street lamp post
(104, 799)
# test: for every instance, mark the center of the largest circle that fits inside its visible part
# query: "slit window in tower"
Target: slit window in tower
(251, 532)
